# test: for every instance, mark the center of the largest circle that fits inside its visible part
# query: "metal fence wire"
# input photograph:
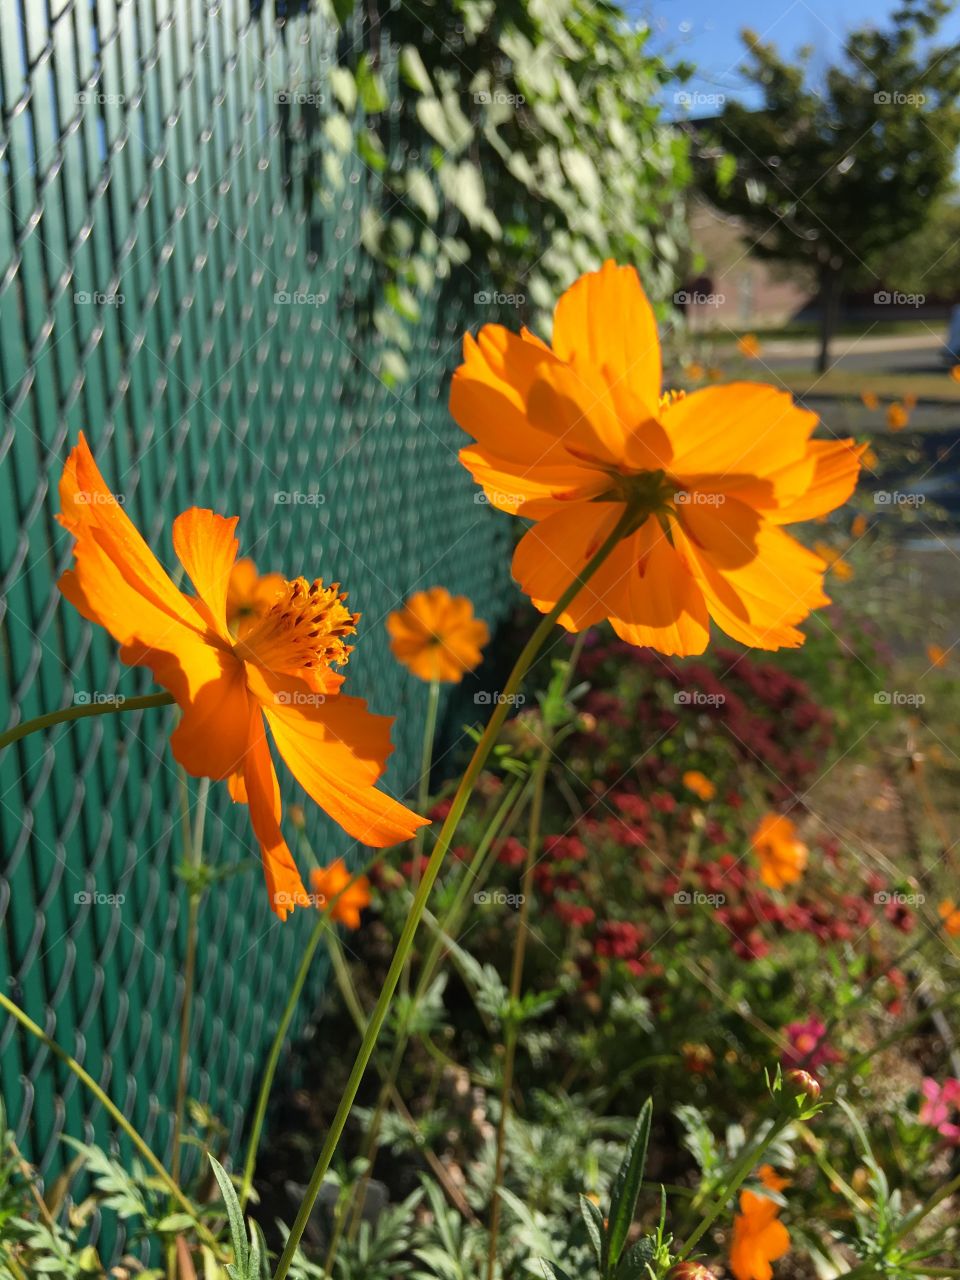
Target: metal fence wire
(166, 286)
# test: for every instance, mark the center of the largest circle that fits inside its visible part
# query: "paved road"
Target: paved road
(919, 353)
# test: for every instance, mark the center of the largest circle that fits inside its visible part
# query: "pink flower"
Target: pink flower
(940, 1102)
(808, 1048)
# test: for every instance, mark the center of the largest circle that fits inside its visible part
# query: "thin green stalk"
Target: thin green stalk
(194, 855)
(423, 796)
(81, 713)
(516, 984)
(479, 758)
(116, 1115)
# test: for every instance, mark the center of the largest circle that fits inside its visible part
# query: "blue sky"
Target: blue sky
(706, 32)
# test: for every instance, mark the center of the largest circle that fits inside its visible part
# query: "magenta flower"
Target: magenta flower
(940, 1103)
(808, 1047)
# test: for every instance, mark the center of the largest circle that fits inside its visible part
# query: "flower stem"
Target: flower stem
(119, 1119)
(479, 758)
(516, 983)
(423, 798)
(81, 713)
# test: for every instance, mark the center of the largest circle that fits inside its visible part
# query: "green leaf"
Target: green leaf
(238, 1235)
(371, 88)
(344, 88)
(593, 1219)
(343, 10)
(626, 1189)
(412, 69)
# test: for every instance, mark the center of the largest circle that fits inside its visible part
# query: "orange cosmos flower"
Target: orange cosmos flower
(859, 526)
(870, 399)
(699, 784)
(955, 373)
(695, 372)
(897, 416)
(869, 459)
(749, 346)
(436, 636)
(250, 594)
(759, 1238)
(937, 654)
(327, 882)
(783, 858)
(229, 686)
(950, 915)
(768, 1177)
(577, 437)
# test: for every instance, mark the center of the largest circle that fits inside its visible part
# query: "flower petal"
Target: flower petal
(836, 471)
(284, 886)
(529, 490)
(605, 320)
(207, 548)
(659, 603)
(211, 739)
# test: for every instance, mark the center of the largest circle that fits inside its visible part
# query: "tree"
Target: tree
(832, 175)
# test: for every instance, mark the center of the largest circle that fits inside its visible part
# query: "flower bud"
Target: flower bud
(803, 1083)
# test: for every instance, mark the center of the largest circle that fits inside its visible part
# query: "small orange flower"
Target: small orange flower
(327, 882)
(783, 858)
(950, 915)
(436, 636)
(699, 784)
(250, 594)
(714, 374)
(937, 654)
(695, 372)
(869, 459)
(768, 1177)
(859, 526)
(955, 373)
(577, 438)
(277, 672)
(909, 401)
(759, 1237)
(749, 346)
(870, 399)
(842, 570)
(897, 416)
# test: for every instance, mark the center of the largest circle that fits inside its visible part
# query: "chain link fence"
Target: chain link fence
(168, 285)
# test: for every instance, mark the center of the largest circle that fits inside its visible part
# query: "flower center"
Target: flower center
(304, 628)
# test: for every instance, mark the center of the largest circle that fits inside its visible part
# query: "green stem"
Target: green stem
(194, 854)
(479, 758)
(116, 1115)
(81, 713)
(423, 797)
(270, 1069)
(516, 983)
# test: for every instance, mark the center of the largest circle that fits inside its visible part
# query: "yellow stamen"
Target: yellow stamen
(304, 628)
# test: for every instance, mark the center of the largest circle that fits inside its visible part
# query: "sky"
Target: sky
(706, 33)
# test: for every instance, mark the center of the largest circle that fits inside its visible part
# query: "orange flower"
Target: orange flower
(695, 372)
(749, 346)
(869, 459)
(699, 784)
(759, 1237)
(909, 401)
(842, 570)
(870, 399)
(955, 373)
(327, 882)
(950, 915)
(436, 636)
(577, 437)
(278, 671)
(859, 526)
(783, 858)
(937, 655)
(768, 1177)
(897, 416)
(250, 595)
